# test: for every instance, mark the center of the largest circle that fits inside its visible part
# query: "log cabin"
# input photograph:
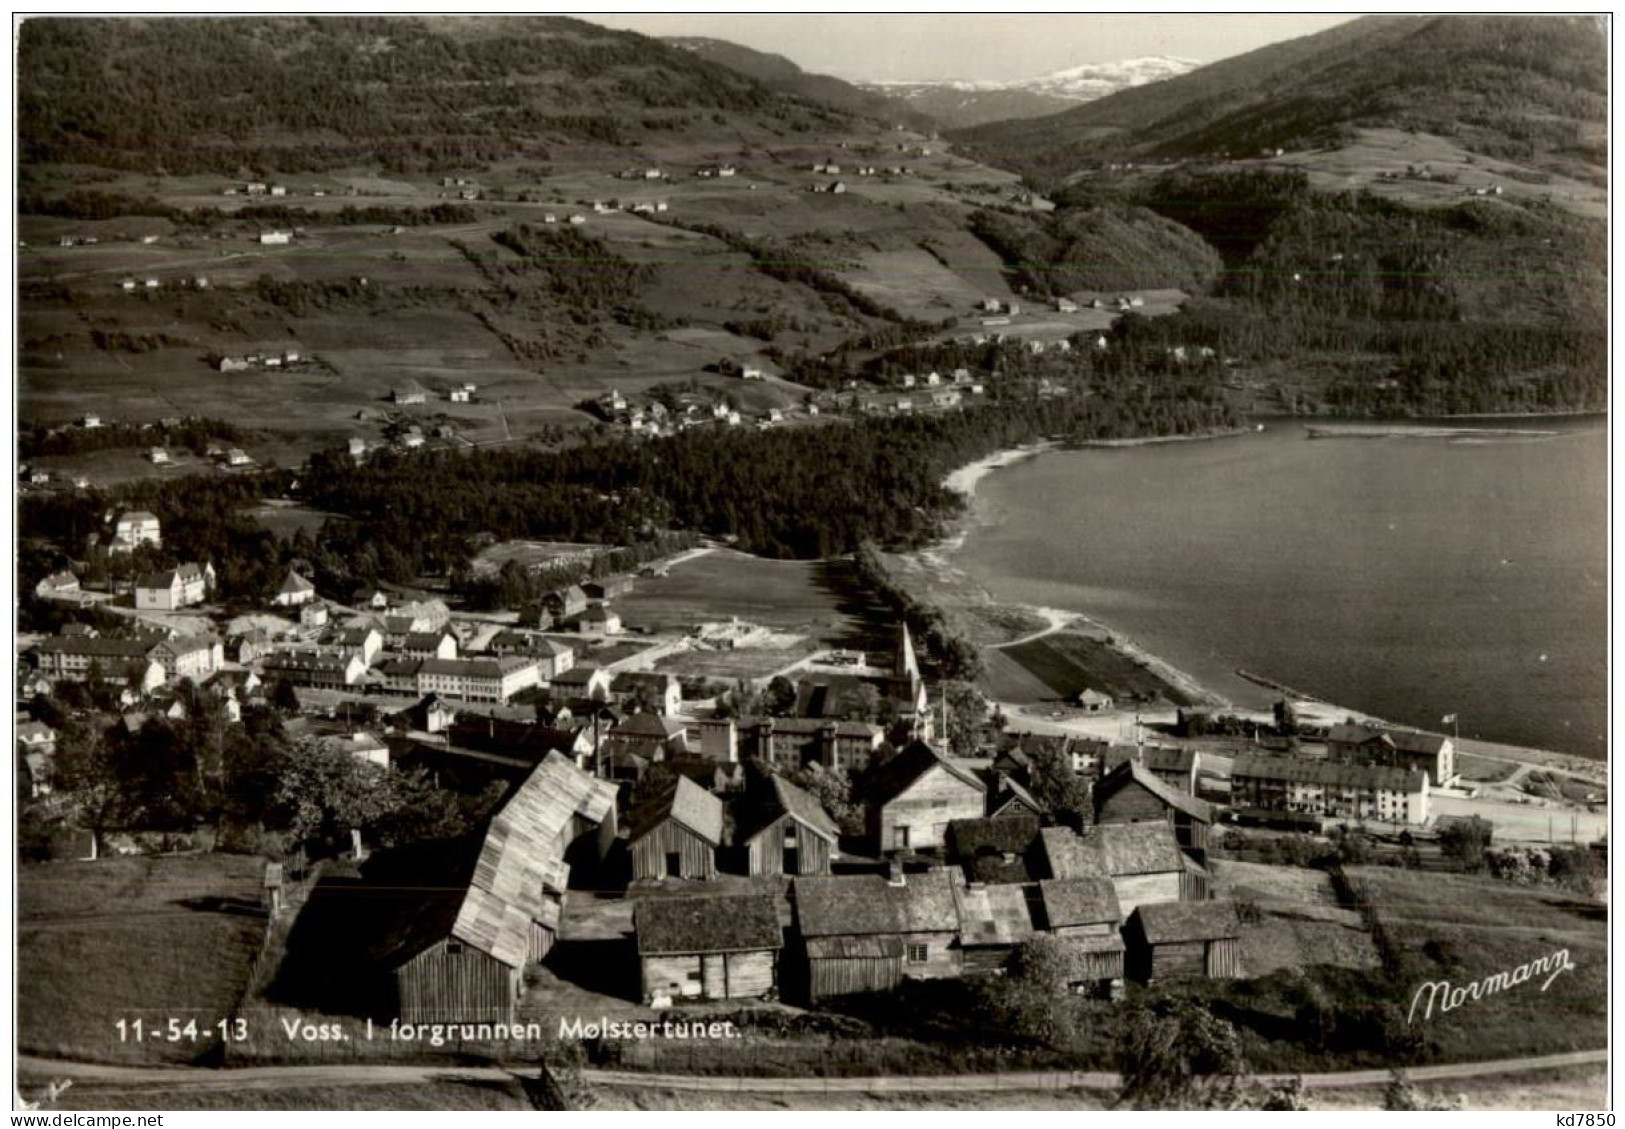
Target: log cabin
(1184, 941)
(1084, 915)
(869, 932)
(676, 835)
(793, 834)
(713, 947)
(914, 796)
(1132, 793)
(1176, 767)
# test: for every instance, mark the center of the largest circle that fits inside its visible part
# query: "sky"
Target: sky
(988, 47)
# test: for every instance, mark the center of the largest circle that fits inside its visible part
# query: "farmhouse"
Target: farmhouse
(677, 834)
(914, 796)
(789, 832)
(1143, 861)
(590, 682)
(562, 603)
(1183, 941)
(409, 392)
(867, 932)
(174, 588)
(1339, 790)
(1395, 748)
(1130, 793)
(713, 947)
(462, 959)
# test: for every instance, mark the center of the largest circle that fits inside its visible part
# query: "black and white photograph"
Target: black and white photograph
(907, 563)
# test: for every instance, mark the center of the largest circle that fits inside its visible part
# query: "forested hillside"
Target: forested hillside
(215, 95)
(1528, 88)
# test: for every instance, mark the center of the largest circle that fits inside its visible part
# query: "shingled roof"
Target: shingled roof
(1011, 834)
(1163, 923)
(1113, 850)
(1079, 901)
(900, 773)
(866, 904)
(783, 798)
(685, 802)
(993, 915)
(715, 923)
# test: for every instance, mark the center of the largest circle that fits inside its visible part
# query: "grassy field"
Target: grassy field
(136, 938)
(1067, 663)
(1301, 926)
(817, 598)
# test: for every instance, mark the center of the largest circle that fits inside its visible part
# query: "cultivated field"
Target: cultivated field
(1301, 926)
(1068, 663)
(146, 939)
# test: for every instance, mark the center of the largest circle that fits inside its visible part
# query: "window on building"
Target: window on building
(454, 948)
(919, 954)
(899, 838)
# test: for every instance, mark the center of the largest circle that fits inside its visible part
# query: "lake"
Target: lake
(1406, 577)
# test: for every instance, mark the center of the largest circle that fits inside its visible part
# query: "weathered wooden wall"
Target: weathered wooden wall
(1134, 890)
(698, 858)
(442, 986)
(766, 849)
(711, 976)
(925, 809)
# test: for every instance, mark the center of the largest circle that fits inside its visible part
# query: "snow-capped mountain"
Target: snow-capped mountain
(957, 103)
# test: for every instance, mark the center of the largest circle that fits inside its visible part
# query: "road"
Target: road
(375, 1074)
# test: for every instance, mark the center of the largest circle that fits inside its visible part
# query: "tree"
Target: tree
(1466, 840)
(1286, 718)
(967, 713)
(1053, 783)
(1174, 1053)
(87, 770)
(779, 699)
(322, 796)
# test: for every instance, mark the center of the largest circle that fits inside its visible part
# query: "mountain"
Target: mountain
(781, 74)
(960, 104)
(1531, 89)
(218, 95)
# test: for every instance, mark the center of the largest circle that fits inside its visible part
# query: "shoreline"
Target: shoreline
(935, 557)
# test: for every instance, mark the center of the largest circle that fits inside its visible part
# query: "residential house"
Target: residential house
(676, 835)
(459, 953)
(1008, 798)
(1143, 861)
(1131, 793)
(295, 591)
(409, 392)
(1262, 783)
(361, 640)
(313, 669)
(599, 620)
(713, 947)
(788, 831)
(913, 797)
(868, 932)
(1183, 941)
(174, 588)
(1093, 701)
(656, 690)
(583, 682)
(361, 745)
(649, 735)
(276, 238)
(137, 527)
(1395, 748)
(370, 599)
(552, 657)
(564, 603)
(713, 738)
(249, 646)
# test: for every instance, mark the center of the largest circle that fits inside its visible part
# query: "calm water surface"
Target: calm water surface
(1407, 577)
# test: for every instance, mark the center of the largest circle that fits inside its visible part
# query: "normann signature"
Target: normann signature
(1449, 998)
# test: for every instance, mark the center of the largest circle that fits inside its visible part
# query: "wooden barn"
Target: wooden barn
(1175, 767)
(714, 947)
(793, 834)
(464, 955)
(1184, 941)
(993, 920)
(868, 932)
(1008, 797)
(1083, 913)
(913, 797)
(1132, 793)
(994, 851)
(1143, 861)
(677, 834)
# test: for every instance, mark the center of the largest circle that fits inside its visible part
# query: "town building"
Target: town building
(174, 588)
(1261, 783)
(137, 527)
(476, 680)
(295, 591)
(315, 670)
(1395, 748)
